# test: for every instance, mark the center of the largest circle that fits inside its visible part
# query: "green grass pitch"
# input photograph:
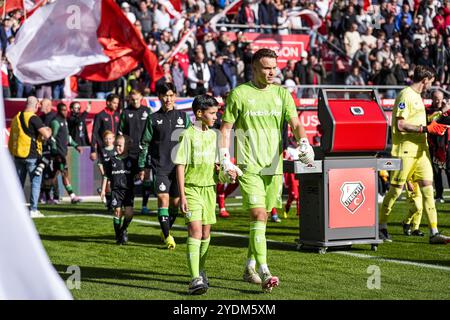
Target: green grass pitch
(409, 268)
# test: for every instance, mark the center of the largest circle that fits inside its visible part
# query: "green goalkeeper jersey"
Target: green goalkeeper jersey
(197, 151)
(259, 116)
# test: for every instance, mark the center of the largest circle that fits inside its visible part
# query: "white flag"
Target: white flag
(25, 269)
(57, 41)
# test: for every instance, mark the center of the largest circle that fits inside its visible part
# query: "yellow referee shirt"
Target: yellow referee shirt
(410, 107)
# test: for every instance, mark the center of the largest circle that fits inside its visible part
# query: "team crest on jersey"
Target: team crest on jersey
(180, 122)
(114, 202)
(401, 105)
(144, 115)
(114, 165)
(130, 115)
(352, 195)
(162, 187)
(106, 119)
(159, 121)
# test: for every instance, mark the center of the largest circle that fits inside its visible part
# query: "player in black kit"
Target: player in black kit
(119, 170)
(159, 139)
(132, 123)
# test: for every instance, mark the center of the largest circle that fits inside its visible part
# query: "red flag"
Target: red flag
(123, 45)
(6, 6)
(176, 4)
(367, 4)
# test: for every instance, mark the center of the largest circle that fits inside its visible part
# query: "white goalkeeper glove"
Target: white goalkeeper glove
(305, 151)
(225, 162)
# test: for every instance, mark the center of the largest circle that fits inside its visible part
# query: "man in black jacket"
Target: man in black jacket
(77, 123)
(108, 119)
(132, 124)
(59, 142)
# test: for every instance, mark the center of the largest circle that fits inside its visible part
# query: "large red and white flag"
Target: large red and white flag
(91, 38)
(6, 6)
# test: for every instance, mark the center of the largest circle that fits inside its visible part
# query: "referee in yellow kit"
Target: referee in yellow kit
(409, 143)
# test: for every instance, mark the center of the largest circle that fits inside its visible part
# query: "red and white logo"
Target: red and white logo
(352, 195)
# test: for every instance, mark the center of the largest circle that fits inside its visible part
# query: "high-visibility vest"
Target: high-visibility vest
(20, 138)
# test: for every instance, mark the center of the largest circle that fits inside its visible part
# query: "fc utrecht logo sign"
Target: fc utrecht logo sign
(352, 195)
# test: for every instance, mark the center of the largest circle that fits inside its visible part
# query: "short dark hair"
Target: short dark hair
(111, 97)
(60, 105)
(73, 103)
(163, 88)
(421, 72)
(203, 102)
(263, 53)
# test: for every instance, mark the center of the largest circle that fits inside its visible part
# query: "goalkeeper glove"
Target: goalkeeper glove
(225, 162)
(305, 151)
(434, 128)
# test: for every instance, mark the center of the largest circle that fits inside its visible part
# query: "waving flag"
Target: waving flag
(173, 7)
(25, 270)
(6, 6)
(88, 37)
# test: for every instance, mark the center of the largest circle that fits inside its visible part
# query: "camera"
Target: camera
(43, 162)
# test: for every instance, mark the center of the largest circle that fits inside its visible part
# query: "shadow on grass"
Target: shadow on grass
(101, 274)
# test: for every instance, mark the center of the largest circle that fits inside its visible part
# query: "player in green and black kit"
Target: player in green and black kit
(197, 178)
(159, 140)
(258, 109)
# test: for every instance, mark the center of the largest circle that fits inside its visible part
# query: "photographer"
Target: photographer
(25, 145)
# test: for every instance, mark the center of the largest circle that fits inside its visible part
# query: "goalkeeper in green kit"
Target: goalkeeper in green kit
(197, 175)
(258, 109)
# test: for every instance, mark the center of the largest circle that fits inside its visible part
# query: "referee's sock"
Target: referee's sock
(388, 202)
(430, 208)
(164, 221)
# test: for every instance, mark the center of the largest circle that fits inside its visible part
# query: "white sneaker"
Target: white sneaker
(36, 214)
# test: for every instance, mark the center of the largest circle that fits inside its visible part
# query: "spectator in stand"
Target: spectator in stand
(77, 123)
(404, 14)
(58, 89)
(388, 78)
(165, 45)
(104, 89)
(355, 78)
(210, 46)
(439, 21)
(183, 59)
(84, 89)
(247, 16)
(289, 71)
(315, 72)
(134, 81)
(5, 78)
(198, 76)
(220, 77)
(209, 12)
(362, 57)
(6, 31)
(161, 17)
(385, 53)
(179, 78)
(267, 16)
(369, 38)
(126, 9)
(231, 62)
(349, 19)
(389, 26)
(352, 40)
(300, 72)
(144, 15)
(167, 74)
(44, 91)
(425, 59)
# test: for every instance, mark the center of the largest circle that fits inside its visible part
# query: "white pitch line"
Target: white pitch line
(351, 254)
(409, 263)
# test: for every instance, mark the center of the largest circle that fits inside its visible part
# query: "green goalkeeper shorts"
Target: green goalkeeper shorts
(260, 191)
(201, 203)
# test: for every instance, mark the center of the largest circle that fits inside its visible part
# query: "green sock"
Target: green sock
(193, 256)
(204, 252)
(69, 189)
(258, 241)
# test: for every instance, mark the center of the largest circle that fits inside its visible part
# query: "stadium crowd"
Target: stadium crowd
(357, 44)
